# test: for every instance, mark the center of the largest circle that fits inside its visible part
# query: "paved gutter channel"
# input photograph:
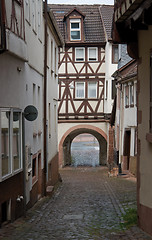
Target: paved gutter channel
(88, 205)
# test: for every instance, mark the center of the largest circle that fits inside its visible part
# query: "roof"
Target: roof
(107, 17)
(93, 26)
(126, 72)
(74, 9)
(57, 35)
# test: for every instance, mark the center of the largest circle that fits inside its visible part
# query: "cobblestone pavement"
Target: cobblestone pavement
(88, 205)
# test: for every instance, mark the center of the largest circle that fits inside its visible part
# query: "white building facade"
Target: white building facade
(22, 84)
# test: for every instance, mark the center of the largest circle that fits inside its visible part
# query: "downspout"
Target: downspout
(45, 98)
(120, 130)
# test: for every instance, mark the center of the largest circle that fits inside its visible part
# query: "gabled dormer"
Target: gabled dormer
(74, 21)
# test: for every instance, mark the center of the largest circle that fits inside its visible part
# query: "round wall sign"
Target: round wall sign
(30, 113)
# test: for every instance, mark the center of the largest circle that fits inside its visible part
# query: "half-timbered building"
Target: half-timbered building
(86, 64)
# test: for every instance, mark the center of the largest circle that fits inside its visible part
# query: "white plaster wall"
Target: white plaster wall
(110, 68)
(35, 42)
(52, 82)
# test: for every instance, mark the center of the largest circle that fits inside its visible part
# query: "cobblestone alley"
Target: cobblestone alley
(88, 205)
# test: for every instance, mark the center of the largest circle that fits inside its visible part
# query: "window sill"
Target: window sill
(9, 175)
(149, 137)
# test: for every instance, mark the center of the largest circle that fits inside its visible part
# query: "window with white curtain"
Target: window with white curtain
(92, 54)
(79, 54)
(92, 89)
(80, 90)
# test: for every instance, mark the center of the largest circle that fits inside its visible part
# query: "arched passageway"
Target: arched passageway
(67, 138)
(85, 151)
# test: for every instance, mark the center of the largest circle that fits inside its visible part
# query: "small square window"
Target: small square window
(92, 54)
(79, 54)
(80, 90)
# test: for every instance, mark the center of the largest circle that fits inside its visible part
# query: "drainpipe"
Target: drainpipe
(24, 164)
(120, 130)
(45, 98)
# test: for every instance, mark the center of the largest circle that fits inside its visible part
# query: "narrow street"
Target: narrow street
(88, 205)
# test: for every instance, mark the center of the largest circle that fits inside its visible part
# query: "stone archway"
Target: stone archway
(71, 133)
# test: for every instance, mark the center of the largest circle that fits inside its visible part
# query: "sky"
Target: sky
(106, 2)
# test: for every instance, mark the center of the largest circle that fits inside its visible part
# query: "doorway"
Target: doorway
(127, 137)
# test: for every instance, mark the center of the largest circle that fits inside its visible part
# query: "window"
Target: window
(79, 54)
(33, 15)
(106, 92)
(114, 53)
(126, 95)
(75, 29)
(34, 167)
(55, 62)
(131, 94)
(92, 54)
(92, 89)
(113, 89)
(11, 142)
(51, 56)
(80, 90)
(39, 19)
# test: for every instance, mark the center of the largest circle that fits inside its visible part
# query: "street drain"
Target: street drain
(73, 217)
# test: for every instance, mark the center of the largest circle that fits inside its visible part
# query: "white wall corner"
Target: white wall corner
(16, 45)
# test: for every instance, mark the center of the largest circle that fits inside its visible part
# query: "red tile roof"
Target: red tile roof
(94, 29)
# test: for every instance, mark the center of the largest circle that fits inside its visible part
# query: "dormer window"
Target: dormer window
(75, 29)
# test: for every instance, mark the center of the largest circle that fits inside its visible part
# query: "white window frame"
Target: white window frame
(75, 29)
(76, 87)
(83, 54)
(131, 92)
(126, 96)
(11, 159)
(90, 48)
(95, 89)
